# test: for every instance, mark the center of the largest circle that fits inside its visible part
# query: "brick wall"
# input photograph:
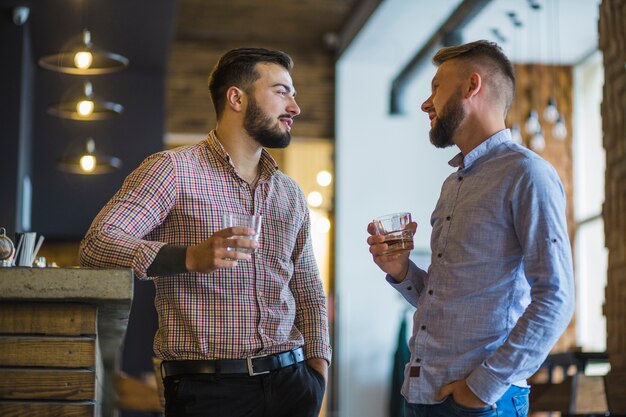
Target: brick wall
(612, 28)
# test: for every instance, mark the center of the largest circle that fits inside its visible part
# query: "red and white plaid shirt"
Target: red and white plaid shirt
(272, 303)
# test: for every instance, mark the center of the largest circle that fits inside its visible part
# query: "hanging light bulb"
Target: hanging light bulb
(538, 142)
(559, 131)
(551, 113)
(86, 106)
(532, 123)
(89, 161)
(516, 134)
(82, 57)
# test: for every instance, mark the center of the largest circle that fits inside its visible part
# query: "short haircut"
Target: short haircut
(238, 68)
(489, 57)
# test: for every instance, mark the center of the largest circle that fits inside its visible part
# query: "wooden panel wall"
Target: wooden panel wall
(535, 84)
(612, 26)
(189, 106)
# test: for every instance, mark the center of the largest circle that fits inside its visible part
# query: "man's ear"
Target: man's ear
(234, 98)
(474, 84)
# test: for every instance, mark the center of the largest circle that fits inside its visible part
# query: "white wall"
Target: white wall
(384, 164)
(591, 255)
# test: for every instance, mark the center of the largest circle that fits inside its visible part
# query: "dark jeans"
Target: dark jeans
(514, 403)
(294, 391)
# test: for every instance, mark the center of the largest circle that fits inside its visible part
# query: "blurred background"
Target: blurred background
(360, 148)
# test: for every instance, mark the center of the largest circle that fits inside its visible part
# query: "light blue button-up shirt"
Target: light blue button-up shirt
(499, 291)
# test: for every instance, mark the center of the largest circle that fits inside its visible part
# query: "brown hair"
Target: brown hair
(489, 57)
(238, 68)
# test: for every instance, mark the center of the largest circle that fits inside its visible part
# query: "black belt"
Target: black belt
(255, 365)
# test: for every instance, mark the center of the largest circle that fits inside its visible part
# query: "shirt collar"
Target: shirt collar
(463, 162)
(268, 164)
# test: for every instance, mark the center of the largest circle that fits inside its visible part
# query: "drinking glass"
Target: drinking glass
(251, 221)
(396, 228)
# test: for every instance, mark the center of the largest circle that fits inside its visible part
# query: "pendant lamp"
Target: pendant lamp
(82, 57)
(89, 162)
(86, 106)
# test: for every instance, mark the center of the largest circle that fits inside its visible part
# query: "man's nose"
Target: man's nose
(293, 108)
(426, 105)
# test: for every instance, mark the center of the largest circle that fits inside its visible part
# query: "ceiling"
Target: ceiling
(302, 23)
(139, 29)
(559, 32)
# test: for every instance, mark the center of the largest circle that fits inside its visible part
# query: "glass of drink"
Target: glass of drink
(396, 228)
(251, 221)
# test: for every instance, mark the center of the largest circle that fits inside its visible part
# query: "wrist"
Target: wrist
(189, 266)
(401, 276)
(318, 360)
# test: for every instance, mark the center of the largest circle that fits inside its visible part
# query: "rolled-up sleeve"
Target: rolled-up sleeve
(538, 207)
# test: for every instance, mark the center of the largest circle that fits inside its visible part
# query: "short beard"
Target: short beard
(447, 123)
(259, 126)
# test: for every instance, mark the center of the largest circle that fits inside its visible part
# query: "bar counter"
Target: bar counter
(60, 332)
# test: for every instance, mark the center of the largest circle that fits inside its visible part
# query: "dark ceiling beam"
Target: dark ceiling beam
(220, 40)
(358, 16)
(449, 33)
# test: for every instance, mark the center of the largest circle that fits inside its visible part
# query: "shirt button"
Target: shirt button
(417, 360)
(409, 288)
(423, 327)
(448, 218)
(430, 292)
(460, 178)
(439, 255)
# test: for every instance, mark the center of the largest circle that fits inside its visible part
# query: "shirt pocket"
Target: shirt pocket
(278, 241)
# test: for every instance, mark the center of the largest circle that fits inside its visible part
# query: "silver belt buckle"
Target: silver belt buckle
(251, 367)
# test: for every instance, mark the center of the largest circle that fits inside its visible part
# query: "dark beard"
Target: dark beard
(451, 117)
(259, 126)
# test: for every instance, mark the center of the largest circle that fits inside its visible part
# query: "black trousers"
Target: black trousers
(294, 391)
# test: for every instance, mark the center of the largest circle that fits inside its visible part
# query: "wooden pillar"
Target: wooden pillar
(612, 28)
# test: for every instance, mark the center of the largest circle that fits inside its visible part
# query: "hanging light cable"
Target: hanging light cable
(532, 124)
(551, 112)
(559, 130)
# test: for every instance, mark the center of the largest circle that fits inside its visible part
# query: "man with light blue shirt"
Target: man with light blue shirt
(499, 291)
